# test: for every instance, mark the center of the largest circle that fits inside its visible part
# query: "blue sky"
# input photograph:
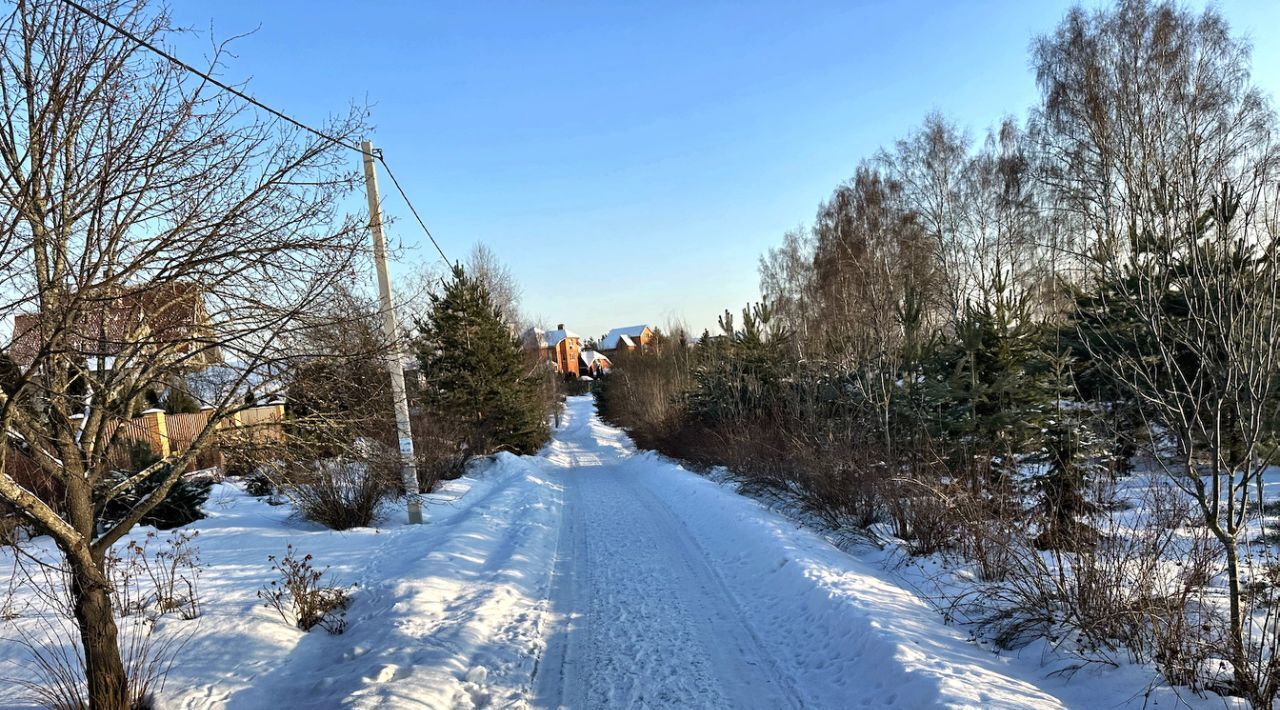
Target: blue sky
(630, 161)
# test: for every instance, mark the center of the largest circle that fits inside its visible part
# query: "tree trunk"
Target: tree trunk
(104, 668)
(1239, 651)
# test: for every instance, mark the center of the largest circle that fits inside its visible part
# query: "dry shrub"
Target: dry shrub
(1181, 642)
(923, 514)
(644, 392)
(842, 495)
(55, 659)
(837, 484)
(792, 454)
(151, 581)
(341, 493)
(1138, 592)
(302, 596)
(57, 663)
(441, 455)
(958, 506)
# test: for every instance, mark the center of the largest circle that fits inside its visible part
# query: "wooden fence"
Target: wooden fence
(167, 434)
(164, 434)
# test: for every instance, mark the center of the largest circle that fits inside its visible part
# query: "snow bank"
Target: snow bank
(443, 615)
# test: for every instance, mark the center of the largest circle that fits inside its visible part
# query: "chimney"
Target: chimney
(560, 326)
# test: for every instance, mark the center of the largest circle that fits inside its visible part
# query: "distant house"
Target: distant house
(170, 317)
(629, 338)
(594, 363)
(559, 346)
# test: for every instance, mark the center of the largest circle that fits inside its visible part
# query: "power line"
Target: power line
(225, 87)
(278, 114)
(412, 209)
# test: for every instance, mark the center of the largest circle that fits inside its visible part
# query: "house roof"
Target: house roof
(548, 338)
(623, 337)
(109, 324)
(590, 357)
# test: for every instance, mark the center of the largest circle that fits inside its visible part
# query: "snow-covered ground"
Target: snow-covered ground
(590, 576)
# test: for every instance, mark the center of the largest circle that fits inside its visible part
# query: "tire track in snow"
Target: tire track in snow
(559, 666)
(641, 619)
(745, 638)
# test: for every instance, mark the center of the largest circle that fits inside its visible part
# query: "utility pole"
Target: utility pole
(408, 469)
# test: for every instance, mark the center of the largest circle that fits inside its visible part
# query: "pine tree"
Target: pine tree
(988, 388)
(741, 375)
(476, 374)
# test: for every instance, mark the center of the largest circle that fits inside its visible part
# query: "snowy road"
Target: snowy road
(643, 618)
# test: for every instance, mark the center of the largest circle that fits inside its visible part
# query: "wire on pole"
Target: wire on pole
(274, 112)
(412, 209)
(204, 75)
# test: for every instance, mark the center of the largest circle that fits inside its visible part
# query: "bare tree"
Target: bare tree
(485, 267)
(929, 167)
(787, 282)
(1160, 152)
(1003, 222)
(152, 226)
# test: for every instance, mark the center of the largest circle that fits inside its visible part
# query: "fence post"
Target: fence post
(277, 414)
(207, 411)
(157, 432)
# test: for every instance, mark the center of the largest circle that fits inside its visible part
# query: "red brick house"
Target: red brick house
(628, 338)
(171, 317)
(594, 363)
(558, 346)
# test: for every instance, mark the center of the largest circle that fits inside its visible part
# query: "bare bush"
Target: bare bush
(1137, 594)
(56, 661)
(645, 389)
(57, 664)
(155, 581)
(341, 493)
(922, 513)
(303, 596)
(438, 444)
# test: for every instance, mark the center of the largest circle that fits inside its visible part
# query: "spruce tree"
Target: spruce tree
(475, 371)
(1071, 456)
